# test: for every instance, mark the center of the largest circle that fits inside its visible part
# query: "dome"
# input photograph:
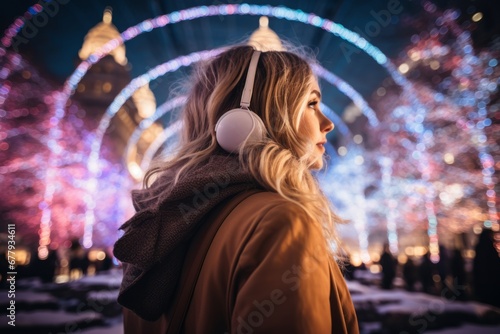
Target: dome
(98, 36)
(264, 38)
(145, 101)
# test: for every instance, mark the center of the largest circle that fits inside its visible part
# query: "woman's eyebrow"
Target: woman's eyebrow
(317, 93)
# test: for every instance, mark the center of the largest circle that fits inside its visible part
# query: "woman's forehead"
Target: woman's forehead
(314, 87)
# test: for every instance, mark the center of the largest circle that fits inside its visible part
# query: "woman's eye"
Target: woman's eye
(313, 104)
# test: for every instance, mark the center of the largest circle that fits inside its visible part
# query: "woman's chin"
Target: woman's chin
(317, 164)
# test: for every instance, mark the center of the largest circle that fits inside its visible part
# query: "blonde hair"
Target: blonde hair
(278, 163)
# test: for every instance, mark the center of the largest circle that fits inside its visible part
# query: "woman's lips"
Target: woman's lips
(321, 146)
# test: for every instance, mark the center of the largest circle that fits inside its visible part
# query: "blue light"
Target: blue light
(244, 8)
(438, 97)
(394, 127)
(175, 16)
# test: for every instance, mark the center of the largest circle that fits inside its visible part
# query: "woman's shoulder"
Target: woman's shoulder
(270, 210)
(272, 202)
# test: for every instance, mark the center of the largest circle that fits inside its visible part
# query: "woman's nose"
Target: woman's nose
(326, 124)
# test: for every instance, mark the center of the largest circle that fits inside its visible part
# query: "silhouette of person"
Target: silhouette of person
(410, 274)
(105, 264)
(388, 268)
(443, 266)
(459, 275)
(46, 268)
(486, 270)
(78, 258)
(426, 272)
(4, 266)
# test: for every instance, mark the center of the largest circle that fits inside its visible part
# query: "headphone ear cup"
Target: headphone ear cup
(238, 126)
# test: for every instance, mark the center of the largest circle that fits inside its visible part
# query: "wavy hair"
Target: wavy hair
(279, 163)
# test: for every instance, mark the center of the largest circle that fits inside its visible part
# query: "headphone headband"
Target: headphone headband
(237, 126)
(248, 89)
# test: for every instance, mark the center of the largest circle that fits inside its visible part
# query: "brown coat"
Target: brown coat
(267, 271)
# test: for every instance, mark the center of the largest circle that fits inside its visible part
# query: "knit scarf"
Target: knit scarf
(157, 237)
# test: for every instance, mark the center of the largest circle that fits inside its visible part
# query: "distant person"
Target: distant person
(459, 275)
(46, 268)
(426, 273)
(486, 270)
(443, 266)
(78, 260)
(388, 264)
(4, 268)
(105, 264)
(410, 274)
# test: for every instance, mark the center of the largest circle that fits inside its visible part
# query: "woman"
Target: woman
(269, 267)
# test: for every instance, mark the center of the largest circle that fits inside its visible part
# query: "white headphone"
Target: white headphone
(240, 125)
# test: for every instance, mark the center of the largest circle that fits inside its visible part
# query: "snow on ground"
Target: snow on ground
(400, 311)
(28, 296)
(115, 329)
(104, 296)
(112, 278)
(417, 303)
(43, 318)
(468, 329)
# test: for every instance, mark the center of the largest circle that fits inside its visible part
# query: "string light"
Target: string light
(189, 14)
(25, 126)
(392, 233)
(136, 83)
(478, 117)
(414, 123)
(166, 134)
(13, 60)
(352, 203)
(147, 122)
(148, 25)
(349, 91)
